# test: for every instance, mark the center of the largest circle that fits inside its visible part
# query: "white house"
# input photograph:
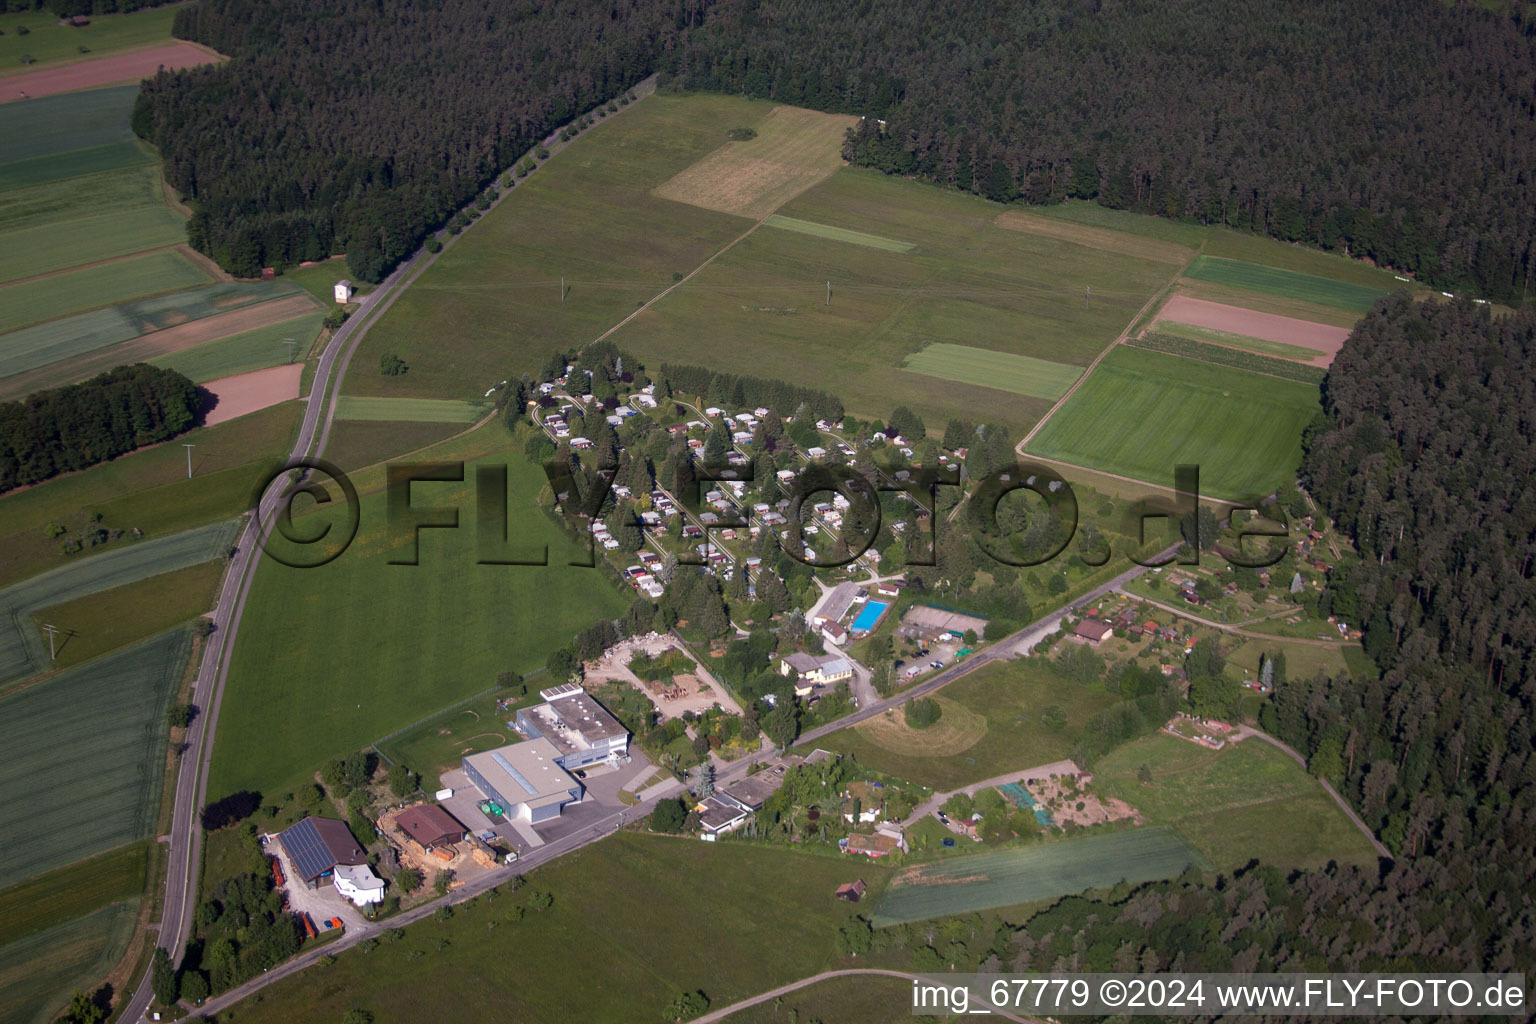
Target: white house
(358, 883)
(344, 291)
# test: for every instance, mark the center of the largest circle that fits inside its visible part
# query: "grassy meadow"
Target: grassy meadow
(1284, 283)
(332, 658)
(410, 410)
(677, 915)
(1141, 413)
(67, 893)
(249, 350)
(40, 972)
(146, 490)
(50, 43)
(1020, 375)
(106, 284)
(1003, 705)
(96, 734)
(109, 619)
(1247, 801)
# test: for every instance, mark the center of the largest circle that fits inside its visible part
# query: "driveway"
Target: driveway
(322, 902)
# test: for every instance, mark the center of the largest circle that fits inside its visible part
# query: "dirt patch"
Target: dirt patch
(1092, 237)
(794, 150)
(695, 691)
(248, 392)
(92, 74)
(1061, 795)
(1322, 338)
(157, 343)
(958, 728)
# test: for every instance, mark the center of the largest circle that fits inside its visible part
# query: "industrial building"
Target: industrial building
(581, 729)
(526, 780)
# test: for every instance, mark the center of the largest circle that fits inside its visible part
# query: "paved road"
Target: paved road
(192, 772)
(713, 1016)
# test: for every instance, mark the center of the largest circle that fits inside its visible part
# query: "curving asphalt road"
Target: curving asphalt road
(186, 835)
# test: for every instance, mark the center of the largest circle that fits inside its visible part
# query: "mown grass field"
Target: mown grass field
(659, 937)
(24, 650)
(67, 893)
(320, 279)
(147, 490)
(410, 410)
(1082, 211)
(588, 216)
(354, 444)
(806, 227)
(49, 42)
(1262, 346)
(330, 659)
(248, 350)
(112, 156)
(969, 282)
(1284, 283)
(1011, 697)
(39, 973)
(114, 618)
(867, 997)
(79, 220)
(86, 756)
(439, 742)
(1021, 375)
(1142, 413)
(997, 878)
(1237, 245)
(1222, 355)
(45, 298)
(1244, 802)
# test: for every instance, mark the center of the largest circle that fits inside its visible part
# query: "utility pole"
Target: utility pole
(189, 448)
(1087, 293)
(562, 289)
(829, 293)
(52, 631)
(292, 344)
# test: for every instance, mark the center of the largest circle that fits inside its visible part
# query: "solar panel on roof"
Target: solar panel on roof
(311, 857)
(517, 776)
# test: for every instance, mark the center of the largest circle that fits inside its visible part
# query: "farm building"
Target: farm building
(431, 826)
(358, 883)
(578, 726)
(852, 891)
(1093, 631)
(344, 290)
(524, 779)
(316, 846)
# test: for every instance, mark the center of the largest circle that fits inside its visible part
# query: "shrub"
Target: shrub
(391, 365)
(923, 712)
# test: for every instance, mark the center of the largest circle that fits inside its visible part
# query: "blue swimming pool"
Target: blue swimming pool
(869, 616)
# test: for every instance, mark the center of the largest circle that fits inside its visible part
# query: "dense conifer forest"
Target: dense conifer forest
(1399, 132)
(73, 427)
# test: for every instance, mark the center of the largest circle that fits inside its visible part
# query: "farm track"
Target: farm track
(724, 1012)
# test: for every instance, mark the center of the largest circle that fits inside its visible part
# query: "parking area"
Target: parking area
(322, 902)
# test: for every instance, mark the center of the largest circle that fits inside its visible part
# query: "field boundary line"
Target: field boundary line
(1159, 296)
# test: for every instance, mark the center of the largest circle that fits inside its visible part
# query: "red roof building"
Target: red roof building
(430, 825)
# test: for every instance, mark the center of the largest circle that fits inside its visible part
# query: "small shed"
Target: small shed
(852, 891)
(344, 290)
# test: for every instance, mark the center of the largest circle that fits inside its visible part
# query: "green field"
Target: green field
(49, 42)
(970, 282)
(69, 337)
(490, 305)
(1247, 248)
(56, 295)
(806, 227)
(24, 650)
(1284, 283)
(676, 915)
(79, 220)
(1142, 413)
(1244, 802)
(1011, 696)
(110, 619)
(859, 997)
(68, 893)
(441, 740)
(86, 755)
(1020, 375)
(1222, 355)
(999, 878)
(330, 659)
(1081, 211)
(147, 490)
(57, 125)
(410, 410)
(1267, 302)
(320, 279)
(70, 164)
(1262, 346)
(354, 444)
(40, 972)
(247, 351)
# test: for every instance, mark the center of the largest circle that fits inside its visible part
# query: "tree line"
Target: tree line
(360, 126)
(1400, 133)
(72, 427)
